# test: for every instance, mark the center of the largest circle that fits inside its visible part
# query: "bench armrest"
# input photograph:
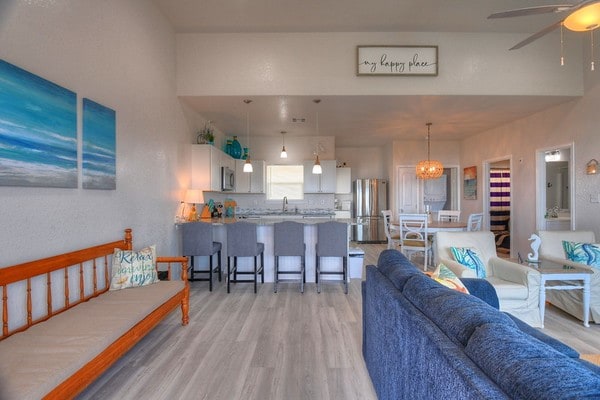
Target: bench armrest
(183, 261)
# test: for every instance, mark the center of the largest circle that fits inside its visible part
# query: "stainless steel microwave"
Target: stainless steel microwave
(227, 179)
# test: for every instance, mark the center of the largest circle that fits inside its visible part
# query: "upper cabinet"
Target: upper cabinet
(207, 161)
(344, 180)
(250, 182)
(320, 183)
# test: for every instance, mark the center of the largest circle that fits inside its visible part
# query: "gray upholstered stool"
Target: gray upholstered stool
(332, 241)
(242, 242)
(197, 242)
(289, 242)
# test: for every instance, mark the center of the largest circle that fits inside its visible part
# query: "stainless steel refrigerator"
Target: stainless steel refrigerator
(370, 198)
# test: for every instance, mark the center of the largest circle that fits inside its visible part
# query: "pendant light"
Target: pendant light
(283, 152)
(248, 163)
(429, 169)
(317, 167)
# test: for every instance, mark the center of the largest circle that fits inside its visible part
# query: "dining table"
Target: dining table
(439, 226)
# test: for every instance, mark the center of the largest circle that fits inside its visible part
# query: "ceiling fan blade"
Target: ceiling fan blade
(531, 11)
(537, 35)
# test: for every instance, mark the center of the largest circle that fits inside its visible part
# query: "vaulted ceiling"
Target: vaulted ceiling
(349, 117)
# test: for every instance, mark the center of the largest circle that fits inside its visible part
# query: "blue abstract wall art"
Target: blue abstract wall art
(99, 146)
(38, 131)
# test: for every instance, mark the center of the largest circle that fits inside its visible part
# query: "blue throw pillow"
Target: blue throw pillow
(584, 253)
(469, 257)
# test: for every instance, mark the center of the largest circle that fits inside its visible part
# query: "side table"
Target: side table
(550, 271)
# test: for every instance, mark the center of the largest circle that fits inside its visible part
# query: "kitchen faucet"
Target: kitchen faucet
(285, 204)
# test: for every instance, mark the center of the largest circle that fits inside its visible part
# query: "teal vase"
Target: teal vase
(228, 147)
(245, 155)
(236, 148)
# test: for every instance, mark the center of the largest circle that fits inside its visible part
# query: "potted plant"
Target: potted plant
(206, 135)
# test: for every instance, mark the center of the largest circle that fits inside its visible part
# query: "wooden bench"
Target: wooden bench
(54, 301)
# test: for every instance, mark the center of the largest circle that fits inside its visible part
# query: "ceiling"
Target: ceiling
(360, 120)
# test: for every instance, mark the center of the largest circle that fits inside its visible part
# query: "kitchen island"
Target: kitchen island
(265, 230)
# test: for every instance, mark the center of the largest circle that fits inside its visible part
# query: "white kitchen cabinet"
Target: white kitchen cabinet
(343, 180)
(320, 183)
(250, 182)
(207, 161)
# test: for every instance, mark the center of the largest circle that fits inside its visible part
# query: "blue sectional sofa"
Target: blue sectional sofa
(422, 340)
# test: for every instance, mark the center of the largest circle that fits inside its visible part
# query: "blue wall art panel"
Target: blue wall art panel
(38, 131)
(99, 146)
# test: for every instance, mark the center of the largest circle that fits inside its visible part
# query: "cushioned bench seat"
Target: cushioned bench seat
(39, 359)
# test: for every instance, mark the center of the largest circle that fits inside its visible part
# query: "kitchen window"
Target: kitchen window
(285, 181)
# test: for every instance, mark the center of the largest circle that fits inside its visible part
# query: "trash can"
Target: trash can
(356, 256)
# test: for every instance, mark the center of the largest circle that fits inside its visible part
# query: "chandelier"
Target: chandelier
(429, 169)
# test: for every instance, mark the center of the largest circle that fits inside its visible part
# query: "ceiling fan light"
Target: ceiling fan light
(585, 19)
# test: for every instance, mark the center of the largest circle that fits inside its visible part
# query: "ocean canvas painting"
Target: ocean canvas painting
(38, 131)
(99, 146)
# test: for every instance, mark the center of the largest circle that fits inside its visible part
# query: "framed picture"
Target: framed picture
(38, 131)
(99, 146)
(397, 60)
(470, 183)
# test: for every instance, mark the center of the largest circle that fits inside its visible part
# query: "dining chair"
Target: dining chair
(242, 242)
(414, 236)
(197, 241)
(391, 231)
(474, 222)
(449, 215)
(332, 241)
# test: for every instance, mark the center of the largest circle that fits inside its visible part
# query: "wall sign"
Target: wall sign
(397, 60)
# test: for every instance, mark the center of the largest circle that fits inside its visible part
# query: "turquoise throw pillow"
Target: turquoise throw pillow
(584, 253)
(468, 257)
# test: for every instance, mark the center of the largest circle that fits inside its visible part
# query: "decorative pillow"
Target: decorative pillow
(584, 253)
(446, 277)
(133, 268)
(469, 257)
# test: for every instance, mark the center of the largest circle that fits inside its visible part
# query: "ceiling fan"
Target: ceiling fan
(582, 16)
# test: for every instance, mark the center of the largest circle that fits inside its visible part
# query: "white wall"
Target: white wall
(325, 64)
(577, 122)
(122, 55)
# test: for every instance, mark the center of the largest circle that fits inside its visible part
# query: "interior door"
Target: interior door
(407, 200)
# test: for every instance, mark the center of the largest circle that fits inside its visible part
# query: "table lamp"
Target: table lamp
(194, 196)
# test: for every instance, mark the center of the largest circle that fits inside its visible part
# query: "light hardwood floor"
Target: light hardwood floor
(284, 345)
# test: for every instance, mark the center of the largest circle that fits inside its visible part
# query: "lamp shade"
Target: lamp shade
(317, 167)
(429, 169)
(585, 19)
(194, 196)
(248, 165)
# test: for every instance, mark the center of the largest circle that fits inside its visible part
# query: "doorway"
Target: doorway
(497, 205)
(412, 194)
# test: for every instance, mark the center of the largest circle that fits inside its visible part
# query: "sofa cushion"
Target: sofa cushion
(444, 276)
(469, 257)
(396, 267)
(527, 368)
(542, 337)
(456, 314)
(43, 356)
(133, 268)
(507, 290)
(585, 253)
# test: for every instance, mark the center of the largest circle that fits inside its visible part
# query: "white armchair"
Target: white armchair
(517, 286)
(571, 301)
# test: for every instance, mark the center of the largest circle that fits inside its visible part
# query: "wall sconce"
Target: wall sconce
(591, 168)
